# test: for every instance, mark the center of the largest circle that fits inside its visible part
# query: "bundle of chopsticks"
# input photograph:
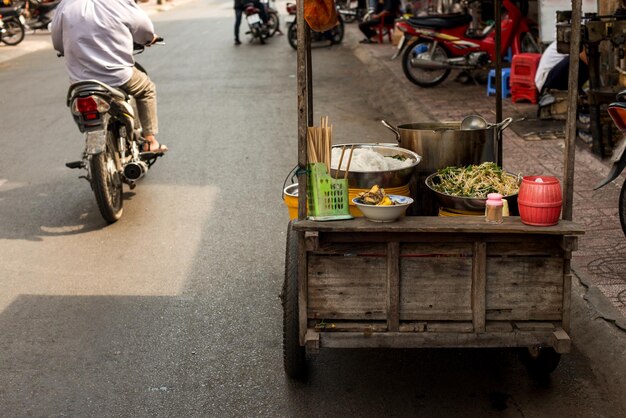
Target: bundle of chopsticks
(318, 142)
(319, 146)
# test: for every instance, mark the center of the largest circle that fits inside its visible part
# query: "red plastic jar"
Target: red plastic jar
(539, 201)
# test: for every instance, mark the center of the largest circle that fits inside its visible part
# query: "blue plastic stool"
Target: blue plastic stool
(491, 82)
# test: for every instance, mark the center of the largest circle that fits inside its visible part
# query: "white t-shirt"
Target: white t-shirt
(550, 58)
(96, 37)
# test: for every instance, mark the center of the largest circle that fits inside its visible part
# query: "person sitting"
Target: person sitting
(553, 75)
(96, 37)
(553, 70)
(386, 11)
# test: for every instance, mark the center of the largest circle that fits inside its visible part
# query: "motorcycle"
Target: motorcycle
(334, 35)
(432, 46)
(350, 11)
(273, 22)
(113, 143)
(40, 13)
(617, 111)
(257, 29)
(11, 25)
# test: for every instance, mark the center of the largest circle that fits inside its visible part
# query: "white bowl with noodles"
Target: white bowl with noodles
(388, 213)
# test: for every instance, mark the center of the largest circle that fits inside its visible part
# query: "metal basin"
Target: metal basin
(466, 203)
(390, 178)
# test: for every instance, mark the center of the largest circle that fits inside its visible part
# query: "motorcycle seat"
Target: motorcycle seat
(88, 87)
(46, 7)
(441, 21)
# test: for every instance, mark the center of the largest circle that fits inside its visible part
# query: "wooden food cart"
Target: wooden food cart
(423, 281)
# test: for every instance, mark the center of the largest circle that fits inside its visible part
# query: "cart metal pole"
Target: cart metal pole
(305, 103)
(498, 16)
(572, 117)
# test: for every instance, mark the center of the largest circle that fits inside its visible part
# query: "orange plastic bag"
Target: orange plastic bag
(321, 15)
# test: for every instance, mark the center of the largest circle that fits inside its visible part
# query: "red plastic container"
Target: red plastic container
(539, 202)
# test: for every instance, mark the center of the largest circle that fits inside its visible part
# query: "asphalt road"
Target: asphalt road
(174, 310)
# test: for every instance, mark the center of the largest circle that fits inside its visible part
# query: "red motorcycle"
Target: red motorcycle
(435, 45)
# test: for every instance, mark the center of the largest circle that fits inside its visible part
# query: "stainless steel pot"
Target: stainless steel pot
(445, 144)
(389, 179)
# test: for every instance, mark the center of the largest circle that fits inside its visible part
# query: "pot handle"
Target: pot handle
(392, 129)
(504, 124)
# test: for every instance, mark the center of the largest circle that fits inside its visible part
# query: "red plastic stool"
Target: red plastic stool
(383, 28)
(520, 93)
(523, 68)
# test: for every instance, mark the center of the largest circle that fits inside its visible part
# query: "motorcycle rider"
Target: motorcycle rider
(240, 7)
(96, 37)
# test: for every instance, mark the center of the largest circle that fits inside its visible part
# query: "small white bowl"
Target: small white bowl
(384, 213)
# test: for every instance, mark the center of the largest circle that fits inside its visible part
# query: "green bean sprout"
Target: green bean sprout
(475, 181)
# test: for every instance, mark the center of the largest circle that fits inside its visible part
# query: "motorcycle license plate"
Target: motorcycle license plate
(252, 19)
(22, 20)
(95, 142)
(290, 19)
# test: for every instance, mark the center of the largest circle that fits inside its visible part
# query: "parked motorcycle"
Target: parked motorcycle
(11, 25)
(432, 46)
(617, 111)
(350, 11)
(113, 152)
(333, 36)
(40, 13)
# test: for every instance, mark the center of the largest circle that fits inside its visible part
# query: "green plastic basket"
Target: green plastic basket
(327, 197)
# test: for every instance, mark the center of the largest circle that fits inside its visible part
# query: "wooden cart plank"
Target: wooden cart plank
(441, 224)
(479, 284)
(435, 288)
(524, 288)
(347, 287)
(435, 339)
(393, 286)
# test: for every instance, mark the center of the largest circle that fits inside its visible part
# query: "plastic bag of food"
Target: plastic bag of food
(321, 15)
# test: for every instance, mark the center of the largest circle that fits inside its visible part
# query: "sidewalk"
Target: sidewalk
(600, 262)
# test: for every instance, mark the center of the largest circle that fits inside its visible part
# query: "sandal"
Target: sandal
(161, 149)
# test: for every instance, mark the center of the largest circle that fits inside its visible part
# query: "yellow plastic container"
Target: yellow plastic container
(290, 196)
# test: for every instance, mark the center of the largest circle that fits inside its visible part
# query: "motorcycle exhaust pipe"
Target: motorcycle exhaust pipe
(135, 170)
(439, 65)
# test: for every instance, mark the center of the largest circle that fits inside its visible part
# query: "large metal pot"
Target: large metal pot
(442, 145)
(445, 144)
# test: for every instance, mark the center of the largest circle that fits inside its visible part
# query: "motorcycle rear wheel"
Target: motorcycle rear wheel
(423, 77)
(622, 207)
(292, 36)
(338, 32)
(106, 182)
(14, 32)
(273, 23)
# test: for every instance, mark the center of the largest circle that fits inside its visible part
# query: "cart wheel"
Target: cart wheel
(294, 355)
(540, 360)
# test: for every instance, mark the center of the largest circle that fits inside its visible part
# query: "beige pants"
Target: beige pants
(144, 91)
